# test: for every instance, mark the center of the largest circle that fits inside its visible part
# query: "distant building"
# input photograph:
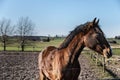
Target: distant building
(117, 37)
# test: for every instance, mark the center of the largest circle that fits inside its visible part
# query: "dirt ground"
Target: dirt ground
(19, 66)
(24, 66)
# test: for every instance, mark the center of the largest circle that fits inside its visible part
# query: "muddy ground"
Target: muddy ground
(24, 66)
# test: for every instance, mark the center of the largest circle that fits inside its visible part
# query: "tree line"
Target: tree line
(24, 27)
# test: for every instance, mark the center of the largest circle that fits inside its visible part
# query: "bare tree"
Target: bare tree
(5, 30)
(24, 28)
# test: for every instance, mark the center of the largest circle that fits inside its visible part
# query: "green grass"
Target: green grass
(116, 51)
(98, 69)
(32, 45)
(38, 46)
(111, 39)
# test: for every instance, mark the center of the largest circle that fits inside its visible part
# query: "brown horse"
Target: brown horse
(62, 63)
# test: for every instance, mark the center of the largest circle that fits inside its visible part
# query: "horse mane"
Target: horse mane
(83, 29)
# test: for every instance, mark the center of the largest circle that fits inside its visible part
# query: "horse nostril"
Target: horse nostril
(109, 54)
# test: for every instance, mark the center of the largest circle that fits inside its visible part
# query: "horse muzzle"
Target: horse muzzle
(107, 52)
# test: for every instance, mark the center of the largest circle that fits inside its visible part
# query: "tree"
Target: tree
(24, 28)
(5, 31)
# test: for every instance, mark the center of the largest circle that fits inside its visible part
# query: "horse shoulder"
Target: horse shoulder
(46, 58)
(47, 51)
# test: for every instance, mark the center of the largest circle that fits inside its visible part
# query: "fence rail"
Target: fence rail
(106, 63)
(18, 48)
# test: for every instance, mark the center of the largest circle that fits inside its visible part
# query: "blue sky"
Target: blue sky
(61, 16)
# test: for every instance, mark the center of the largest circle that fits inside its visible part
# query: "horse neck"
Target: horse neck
(75, 47)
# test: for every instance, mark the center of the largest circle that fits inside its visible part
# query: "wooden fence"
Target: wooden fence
(18, 48)
(106, 63)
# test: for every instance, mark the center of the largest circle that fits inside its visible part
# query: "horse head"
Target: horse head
(94, 39)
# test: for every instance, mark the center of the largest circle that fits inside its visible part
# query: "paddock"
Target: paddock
(24, 66)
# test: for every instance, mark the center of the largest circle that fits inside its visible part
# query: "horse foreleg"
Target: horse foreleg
(42, 76)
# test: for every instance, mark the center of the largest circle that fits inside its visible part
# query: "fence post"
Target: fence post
(96, 58)
(103, 64)
(33, 48)
(18, 48)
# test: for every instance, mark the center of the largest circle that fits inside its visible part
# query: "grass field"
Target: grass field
(33, 45)
(38, 46)
(116, 51)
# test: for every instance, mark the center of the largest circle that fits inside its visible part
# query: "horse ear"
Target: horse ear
(94, 21)
(97, 21)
